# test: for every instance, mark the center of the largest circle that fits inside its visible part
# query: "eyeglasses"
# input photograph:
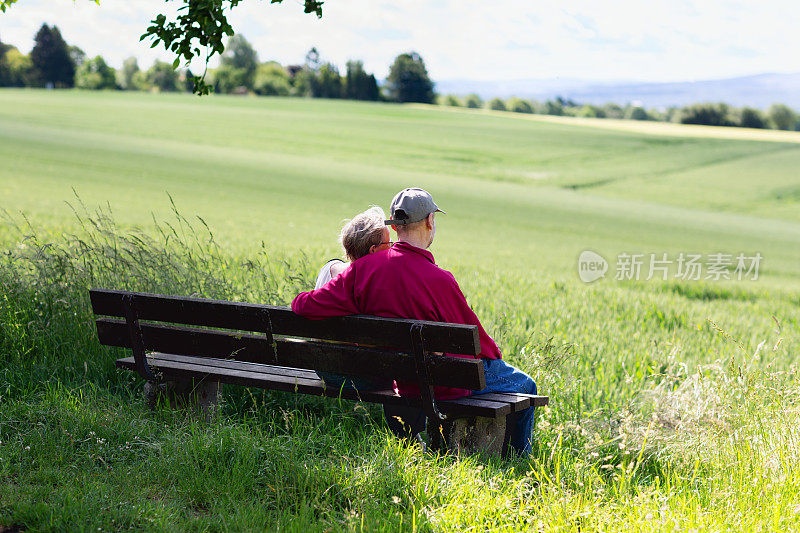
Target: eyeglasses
(390, 243)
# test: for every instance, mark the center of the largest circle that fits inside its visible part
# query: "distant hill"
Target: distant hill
(760, 90)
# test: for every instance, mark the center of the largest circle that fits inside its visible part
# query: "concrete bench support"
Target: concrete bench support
(202, 396)
(477, 435)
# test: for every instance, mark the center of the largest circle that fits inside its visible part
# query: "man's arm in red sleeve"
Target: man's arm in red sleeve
(459, 312)
(336, 298)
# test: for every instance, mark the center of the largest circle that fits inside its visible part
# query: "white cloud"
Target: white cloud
(504, 39)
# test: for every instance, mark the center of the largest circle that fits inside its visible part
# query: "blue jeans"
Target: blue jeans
(502, 377)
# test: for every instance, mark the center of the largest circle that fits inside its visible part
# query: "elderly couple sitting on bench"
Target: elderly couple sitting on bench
(401, 280)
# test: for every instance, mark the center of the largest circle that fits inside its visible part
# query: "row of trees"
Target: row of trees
(53, 63)
(778, 116)
(240, 71)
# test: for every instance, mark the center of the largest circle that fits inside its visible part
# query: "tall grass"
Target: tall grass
(710, 447)
(46, 324)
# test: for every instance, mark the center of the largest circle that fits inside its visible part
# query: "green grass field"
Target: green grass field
(673, 403)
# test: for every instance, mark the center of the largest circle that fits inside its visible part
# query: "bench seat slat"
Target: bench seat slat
(517, 401)
(238, 365)
(285, 380)
(389, 332)
(458, 372)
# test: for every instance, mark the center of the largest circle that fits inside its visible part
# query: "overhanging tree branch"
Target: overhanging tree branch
(200, 23)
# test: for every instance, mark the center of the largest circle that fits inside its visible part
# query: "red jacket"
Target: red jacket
(401, 282)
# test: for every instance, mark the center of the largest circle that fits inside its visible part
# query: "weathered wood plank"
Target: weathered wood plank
(458, 372)
(377, 331)
(517, 402)
(468, 406)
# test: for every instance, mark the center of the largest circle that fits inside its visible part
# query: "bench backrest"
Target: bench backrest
(275, 335)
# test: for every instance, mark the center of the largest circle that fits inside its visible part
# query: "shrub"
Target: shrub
(449, 100)
(162, 77)
(706, 114)
(553, 107)
(518, 105)
(271, 79)
(473, 101)
(752, 118)
(781, 117)
(496, 104)
(636, 113)
(590, 111)
(95, 74)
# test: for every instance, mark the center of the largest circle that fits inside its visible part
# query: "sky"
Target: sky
(488, 40)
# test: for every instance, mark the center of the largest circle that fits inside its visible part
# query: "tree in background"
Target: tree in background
(612, 110)
(162, 77)
(590, 111)
(186, 81)
(271, 79)
(358, 85)
(318, 79)
(16, 68)
(781, 117)
(305, 81)
(328, 83)
(77, 55)
(408, 80)
(672, 114)
(51, 58)
(473, 101)
(518, 105)
(5, 71)
(636, 112)
(127, 74)
(4, 47)
(302, 81)
(707, 114)
(95, 74)
(448, 100)
(313, 60)
(496, 104)
(553, 107)
(752, 118)
(237, 65)
(227, 79)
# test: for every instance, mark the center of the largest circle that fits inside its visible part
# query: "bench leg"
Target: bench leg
(474, 435)
(201, 396)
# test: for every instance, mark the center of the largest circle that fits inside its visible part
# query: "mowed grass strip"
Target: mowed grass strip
(287, 172)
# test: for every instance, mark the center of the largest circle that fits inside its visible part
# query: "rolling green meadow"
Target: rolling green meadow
(675, 404)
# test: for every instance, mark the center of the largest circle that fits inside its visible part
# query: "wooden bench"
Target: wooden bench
(193, 340)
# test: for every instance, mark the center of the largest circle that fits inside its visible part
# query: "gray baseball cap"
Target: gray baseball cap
(411, 205)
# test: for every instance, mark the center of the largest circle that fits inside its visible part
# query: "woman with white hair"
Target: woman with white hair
(364, 234)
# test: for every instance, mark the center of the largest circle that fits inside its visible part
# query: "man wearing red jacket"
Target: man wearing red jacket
(405, 282)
